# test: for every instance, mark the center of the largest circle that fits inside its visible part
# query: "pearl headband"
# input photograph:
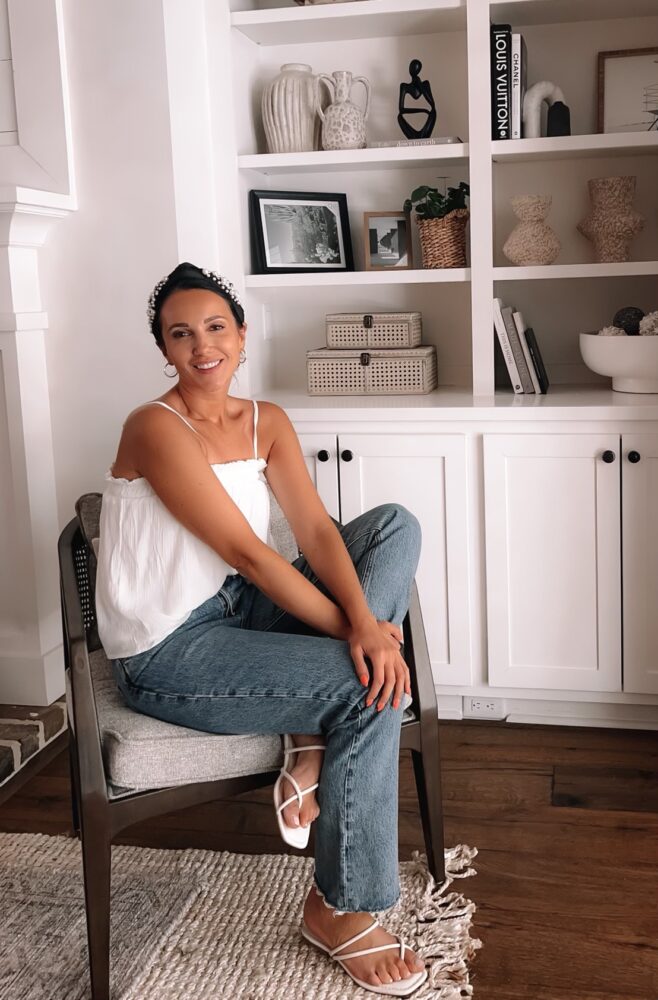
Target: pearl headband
(223, 283)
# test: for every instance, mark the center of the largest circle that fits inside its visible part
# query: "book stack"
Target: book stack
(509, 71)
(520, 350)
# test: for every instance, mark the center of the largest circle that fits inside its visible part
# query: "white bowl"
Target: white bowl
(631, 361)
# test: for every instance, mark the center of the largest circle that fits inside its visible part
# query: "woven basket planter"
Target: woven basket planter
(443, 241)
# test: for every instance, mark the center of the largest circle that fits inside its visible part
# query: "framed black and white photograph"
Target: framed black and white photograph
(628, 90)
(299, 232)
(387, 241)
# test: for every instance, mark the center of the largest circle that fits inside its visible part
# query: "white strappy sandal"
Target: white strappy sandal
(403, 988)
(296, 836)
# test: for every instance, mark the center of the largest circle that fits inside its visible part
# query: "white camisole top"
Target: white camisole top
(153, 572)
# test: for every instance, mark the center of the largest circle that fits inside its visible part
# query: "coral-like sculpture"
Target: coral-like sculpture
(649, 325)
(532, 242)
(612, 222)
(612, 331)
(628, 319)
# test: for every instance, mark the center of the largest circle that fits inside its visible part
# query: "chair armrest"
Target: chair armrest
(417, 656)
(85, 731)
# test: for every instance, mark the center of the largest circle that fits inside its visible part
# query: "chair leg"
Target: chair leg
(427, 771)
(75, 790)
(97, 860)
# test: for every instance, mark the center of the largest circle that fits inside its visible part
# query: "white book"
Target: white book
(516, 111)
(505, 346)
(519, 322)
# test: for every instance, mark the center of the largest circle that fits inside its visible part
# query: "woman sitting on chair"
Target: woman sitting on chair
(209, 627)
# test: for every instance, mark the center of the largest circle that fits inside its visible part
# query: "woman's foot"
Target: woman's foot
(379, 969)
(305, 768)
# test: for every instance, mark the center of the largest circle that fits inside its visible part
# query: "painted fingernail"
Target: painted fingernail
(369, 703)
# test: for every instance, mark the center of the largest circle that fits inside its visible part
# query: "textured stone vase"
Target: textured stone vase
(343, 122)
(532, 241)
(612, 221)
(289, 110)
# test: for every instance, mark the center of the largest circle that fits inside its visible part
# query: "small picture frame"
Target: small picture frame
(387, 241)
(628, 90)
(299, 232)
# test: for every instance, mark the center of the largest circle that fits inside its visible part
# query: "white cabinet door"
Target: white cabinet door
(553, 561)
(427, 474)
(320, 452)
(640, 562)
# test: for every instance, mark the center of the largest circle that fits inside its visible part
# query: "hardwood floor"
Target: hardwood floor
(566, 822)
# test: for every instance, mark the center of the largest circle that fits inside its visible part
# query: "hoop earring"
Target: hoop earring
(167, 373)
(243, 356)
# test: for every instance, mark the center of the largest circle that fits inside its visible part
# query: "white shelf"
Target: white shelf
(567, 147)
(619, 270)
(355, 278)
(389, 157)
(341, 21)
(520, 12)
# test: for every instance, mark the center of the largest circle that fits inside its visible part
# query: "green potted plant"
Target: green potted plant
(441, 220)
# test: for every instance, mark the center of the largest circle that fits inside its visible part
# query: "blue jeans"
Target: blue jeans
(240, 664)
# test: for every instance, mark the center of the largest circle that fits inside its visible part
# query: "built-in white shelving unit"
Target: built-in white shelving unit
(451, 37)
(492, 476)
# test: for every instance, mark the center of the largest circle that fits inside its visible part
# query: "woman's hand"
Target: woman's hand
(379, 642)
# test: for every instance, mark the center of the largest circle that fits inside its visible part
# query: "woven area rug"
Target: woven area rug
(202, 924)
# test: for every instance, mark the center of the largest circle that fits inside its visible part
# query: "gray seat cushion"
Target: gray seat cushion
(141, 753)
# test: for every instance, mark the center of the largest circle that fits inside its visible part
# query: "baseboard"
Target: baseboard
(526, 711)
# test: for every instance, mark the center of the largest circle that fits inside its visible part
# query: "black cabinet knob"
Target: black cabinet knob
(323, 455)
(608, 456)
(346, 455)
(633, 456)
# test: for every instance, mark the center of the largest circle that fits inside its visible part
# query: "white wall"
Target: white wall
(99, 265)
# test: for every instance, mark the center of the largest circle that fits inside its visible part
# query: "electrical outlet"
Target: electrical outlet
(484, 707)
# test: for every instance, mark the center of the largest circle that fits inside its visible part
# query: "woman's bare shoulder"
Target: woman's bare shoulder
(148, 414)
(271, 414)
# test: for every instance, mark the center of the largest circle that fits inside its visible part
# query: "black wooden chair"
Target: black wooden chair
(128, 767)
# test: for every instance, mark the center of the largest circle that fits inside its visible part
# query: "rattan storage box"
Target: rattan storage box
(378, 372)
(403, 329)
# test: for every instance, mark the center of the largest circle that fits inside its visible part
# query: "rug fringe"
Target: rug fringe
(443, 922)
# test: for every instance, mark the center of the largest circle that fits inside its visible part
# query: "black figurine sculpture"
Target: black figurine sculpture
(416, 89)
(558, 121)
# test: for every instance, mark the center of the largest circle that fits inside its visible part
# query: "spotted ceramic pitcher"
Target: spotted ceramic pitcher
(343, 122)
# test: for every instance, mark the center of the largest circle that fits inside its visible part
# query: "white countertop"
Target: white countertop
(560, 403)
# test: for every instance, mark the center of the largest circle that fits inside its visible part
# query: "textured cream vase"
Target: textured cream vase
(612, 221)
(289, 110)
(532, 241)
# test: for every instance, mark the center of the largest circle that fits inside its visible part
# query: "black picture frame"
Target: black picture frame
(283, 225)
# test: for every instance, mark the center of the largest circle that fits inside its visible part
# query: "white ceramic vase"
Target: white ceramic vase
(289, 110)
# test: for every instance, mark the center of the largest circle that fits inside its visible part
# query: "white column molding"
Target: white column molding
(36, 189)
(31, 662)
(208, 227)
